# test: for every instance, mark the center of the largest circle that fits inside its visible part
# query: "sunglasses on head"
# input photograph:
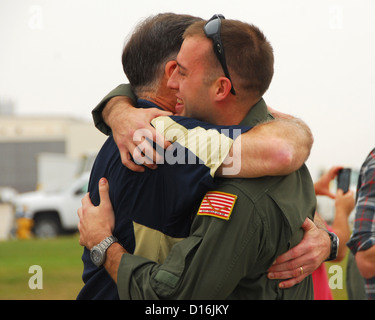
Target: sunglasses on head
(212, 31)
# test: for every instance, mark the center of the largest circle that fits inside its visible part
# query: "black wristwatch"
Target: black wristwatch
(334, 246)
(98, 253)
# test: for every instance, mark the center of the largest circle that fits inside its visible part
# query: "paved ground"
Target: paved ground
(6, 220)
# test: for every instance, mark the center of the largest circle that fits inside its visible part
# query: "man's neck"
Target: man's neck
(234, 112)
(164, 103)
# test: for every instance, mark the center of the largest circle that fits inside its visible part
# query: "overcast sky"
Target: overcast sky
(62, 57)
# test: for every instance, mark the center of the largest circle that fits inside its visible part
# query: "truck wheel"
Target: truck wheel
(46, 228)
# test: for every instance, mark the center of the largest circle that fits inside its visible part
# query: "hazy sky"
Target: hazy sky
(62, 57)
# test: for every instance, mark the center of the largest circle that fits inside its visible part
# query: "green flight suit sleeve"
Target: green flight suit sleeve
(208, 264)
(121, 90)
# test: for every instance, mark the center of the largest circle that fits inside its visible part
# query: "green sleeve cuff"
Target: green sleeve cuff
(121, 90)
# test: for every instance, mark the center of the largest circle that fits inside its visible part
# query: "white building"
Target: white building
(24, 141)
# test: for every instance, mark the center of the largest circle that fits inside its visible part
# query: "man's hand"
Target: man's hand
(96, 223)
(300, 261)
(130, 126)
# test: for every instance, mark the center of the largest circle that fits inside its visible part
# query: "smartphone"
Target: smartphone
(343, 179)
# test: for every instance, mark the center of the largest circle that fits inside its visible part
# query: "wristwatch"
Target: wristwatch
(334, 246)
(97, 253)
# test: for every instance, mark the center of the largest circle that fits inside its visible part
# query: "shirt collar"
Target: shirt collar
(147, 104)
(258, 113)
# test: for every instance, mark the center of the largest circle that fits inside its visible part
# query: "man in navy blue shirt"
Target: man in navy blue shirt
(159, 201)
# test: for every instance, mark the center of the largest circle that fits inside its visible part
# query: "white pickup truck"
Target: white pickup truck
(52, 212)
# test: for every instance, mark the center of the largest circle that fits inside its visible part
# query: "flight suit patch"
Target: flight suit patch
(217, 204)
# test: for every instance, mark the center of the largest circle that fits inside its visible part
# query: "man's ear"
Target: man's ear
(169, 68)
(222, 89)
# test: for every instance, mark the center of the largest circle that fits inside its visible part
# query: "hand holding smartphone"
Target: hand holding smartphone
(343, 179)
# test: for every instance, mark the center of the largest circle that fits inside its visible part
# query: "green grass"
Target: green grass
(60, 260)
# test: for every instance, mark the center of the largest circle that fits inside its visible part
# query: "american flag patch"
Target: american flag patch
(217, 204)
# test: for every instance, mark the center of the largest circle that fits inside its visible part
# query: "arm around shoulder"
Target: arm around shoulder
(277, 147)
(123, 90)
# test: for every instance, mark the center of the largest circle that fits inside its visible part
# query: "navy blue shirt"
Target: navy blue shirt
(164, 199)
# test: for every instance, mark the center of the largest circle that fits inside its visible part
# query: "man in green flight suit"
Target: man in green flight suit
(243, 225)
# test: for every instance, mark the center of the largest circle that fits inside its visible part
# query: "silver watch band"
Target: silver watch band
(107, 242)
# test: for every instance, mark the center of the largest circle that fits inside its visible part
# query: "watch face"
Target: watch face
(96, 256)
